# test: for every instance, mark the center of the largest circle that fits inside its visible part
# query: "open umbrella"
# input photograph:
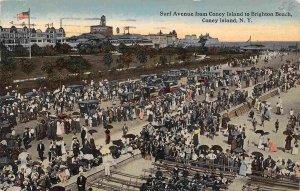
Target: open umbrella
(130, 136)
(239, 150)
(163, 129)
(76, 113)
(113, 147)
(287, 132)
(257, 154)
(118, 142)
(245, 155)
(259, 131)
(204, 147)
(92, 131)
(58, 188)
(217, 148)
(109, 127)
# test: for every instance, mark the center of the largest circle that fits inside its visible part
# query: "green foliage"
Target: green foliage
(49, 51)
(20, 51)
(77, 64)
(8, 63)
(127, 59)
(60, 63)
(36, 50)
(163, 60)
(125, 49)
(107, 58)
(141, 56)
(26, 66)
(62, 48)
(108, 47)
(48, 68)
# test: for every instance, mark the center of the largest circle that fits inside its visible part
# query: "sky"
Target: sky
(145, 16)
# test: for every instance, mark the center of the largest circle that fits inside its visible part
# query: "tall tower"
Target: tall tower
(103, 21)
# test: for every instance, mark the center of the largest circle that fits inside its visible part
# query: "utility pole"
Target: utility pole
(29, 33)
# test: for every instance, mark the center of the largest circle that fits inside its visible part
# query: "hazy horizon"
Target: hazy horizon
(145, 16)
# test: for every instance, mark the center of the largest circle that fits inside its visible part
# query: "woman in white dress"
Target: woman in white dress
(260, 142)
(58, 129)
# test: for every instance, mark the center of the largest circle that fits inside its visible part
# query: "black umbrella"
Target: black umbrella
(113, 147)
(109, 127)
(58, 188)
(204, 147)
(163, 129)
(217, 148)
(287, 132)
(92, 131)
(257, 154)
(118, 142)
(5, 160)
(239, 150)
(259, 131)
(130, 136)
(76, 113)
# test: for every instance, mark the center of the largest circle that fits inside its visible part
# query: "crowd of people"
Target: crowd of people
(176, 122)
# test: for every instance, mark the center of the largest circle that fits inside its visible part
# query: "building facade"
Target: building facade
(130, 40)
(161, 40)
(13, 36)
(102, 28)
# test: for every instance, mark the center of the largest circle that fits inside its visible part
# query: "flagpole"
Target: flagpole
(29, 33)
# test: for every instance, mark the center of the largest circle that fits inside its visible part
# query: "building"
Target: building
(86, 39)
(130, 40)
(102, 28)
(189, 41)
(13, 36)
(209, 41)
(161, 40)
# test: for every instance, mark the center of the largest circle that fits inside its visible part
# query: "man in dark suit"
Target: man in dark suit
(81, 181)
(83, 134)
(41, 149)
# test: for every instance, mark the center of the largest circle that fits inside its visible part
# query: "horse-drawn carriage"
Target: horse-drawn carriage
(88, 107)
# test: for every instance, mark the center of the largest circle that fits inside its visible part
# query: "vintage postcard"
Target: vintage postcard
(149, 95)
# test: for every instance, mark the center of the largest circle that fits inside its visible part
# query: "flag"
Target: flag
(23, 15)
(249, 40)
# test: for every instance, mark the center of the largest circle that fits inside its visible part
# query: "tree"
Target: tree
(63, 48)
(20, 51)
(124, 49)
(183, 54)
(127, 59)
(36, 50)
(7, 61)
(60, 63)
(169, 51)
(163, 60)
(107, 47)
(107, 58)
(76, 64)
(141, 55)
(26, 66)
(49, 51)
(48, 68)
(6, 78)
